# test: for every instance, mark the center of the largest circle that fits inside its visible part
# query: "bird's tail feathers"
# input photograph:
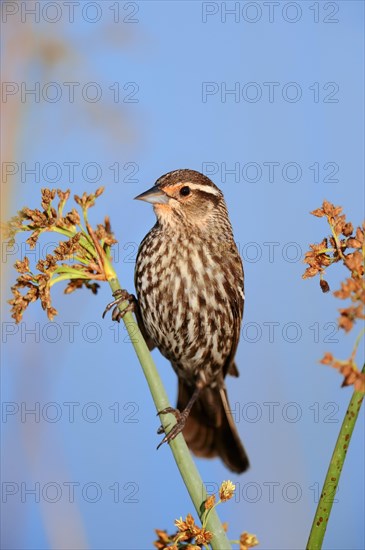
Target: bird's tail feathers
(210, 429)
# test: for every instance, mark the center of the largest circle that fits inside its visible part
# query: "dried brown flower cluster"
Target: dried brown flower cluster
(247, 541)
(86, 251)
(345, 245)
(184, 537)
(226, 490)
(190, 536)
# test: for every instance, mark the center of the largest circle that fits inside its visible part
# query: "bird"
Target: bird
(189, 282)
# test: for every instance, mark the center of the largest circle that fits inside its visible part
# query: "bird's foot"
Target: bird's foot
(120, 296)
(177, 428)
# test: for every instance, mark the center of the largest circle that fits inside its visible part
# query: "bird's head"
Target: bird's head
(186, 196)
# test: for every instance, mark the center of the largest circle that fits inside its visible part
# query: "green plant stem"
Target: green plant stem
(184, 461)
(358, 340)
(68, 276)
(330, 485)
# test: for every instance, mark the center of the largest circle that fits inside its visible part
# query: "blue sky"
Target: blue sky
(94, 428)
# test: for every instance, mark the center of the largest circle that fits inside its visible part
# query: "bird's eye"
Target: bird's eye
(185, 191)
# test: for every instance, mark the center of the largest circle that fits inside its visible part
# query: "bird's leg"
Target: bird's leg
(180, 416)
(120, 296)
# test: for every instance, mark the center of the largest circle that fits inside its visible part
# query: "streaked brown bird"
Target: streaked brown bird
(189, 282)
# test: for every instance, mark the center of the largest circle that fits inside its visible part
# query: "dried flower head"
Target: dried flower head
(248, 541)
(81, 259)
(204, 536)
(349, 370)
(325, 287)
(210, 502)
(187, 525)
(163, 539)
(226, 490)
(350, 251)
(188, 535)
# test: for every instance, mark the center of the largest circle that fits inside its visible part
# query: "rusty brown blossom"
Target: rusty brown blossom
(210, 502)
(248, 541)
(190, 536)
(80, 259)
(345, 245)
(226, 490)
(352, 375)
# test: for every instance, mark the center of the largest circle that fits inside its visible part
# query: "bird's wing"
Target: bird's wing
(236, 301)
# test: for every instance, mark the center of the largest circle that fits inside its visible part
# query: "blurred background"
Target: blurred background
(266, 99)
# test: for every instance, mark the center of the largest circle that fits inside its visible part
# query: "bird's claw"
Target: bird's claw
(120, 296)
(177, 428)
(171, 410)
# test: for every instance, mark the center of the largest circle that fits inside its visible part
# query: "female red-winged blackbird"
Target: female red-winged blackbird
(189, 282)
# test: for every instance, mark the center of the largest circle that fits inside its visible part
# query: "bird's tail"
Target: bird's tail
(210, 429)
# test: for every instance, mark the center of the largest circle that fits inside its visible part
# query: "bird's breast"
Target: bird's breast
(183, 291)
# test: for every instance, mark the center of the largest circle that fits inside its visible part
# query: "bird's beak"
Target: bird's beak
(154, 195)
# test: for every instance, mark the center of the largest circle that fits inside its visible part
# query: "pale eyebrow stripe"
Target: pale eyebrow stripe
(204, 188)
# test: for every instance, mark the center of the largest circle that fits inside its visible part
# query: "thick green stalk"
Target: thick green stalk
(333, 474)
(184, 461)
